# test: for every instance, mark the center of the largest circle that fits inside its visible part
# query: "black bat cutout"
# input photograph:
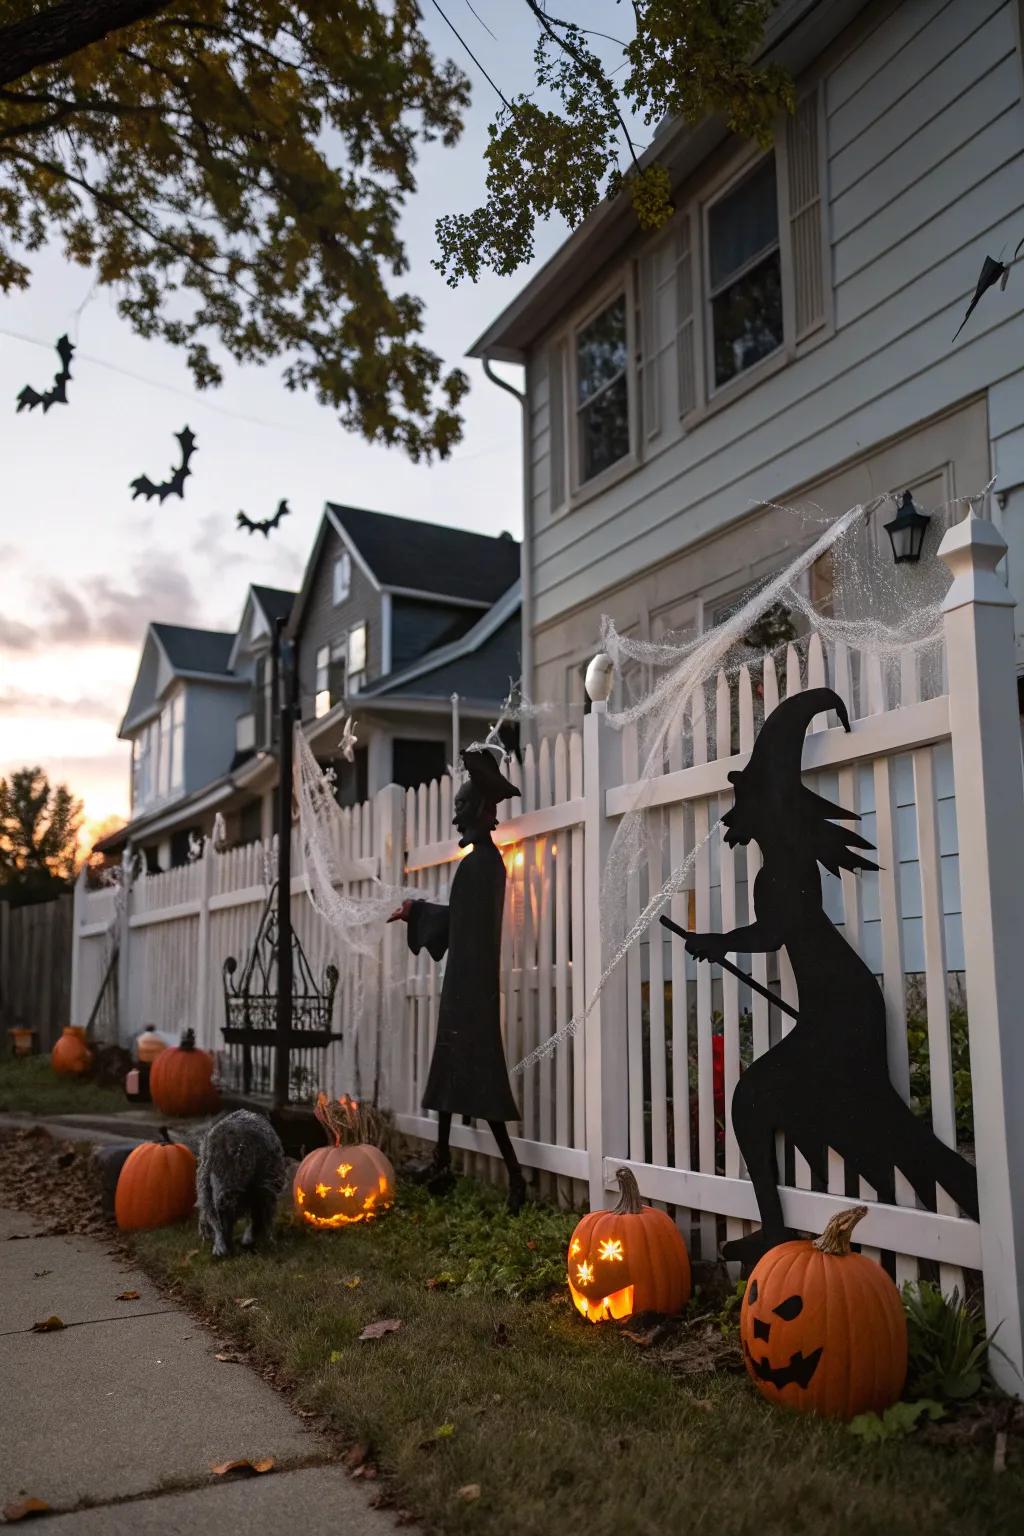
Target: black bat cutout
(800, 1369)
(175, 486)
(264, 526)
(57, 394)
(992, 272)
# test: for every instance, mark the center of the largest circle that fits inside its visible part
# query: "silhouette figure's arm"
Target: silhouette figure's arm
(756, 939)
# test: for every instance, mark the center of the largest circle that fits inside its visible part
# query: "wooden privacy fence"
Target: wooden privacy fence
(933, 764)
(35, 968)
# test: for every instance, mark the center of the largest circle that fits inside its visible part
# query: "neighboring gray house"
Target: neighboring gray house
(394, 617)
(192, 721)
(788, 337)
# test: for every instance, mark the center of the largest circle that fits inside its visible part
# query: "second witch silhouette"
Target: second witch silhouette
(468, 1074)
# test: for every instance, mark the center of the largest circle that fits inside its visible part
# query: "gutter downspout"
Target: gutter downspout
(526, 556)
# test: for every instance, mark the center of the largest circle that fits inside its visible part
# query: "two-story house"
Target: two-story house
(787, 338)
(393, 618)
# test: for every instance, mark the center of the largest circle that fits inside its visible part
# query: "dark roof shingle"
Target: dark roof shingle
(195, 650)
(275, 602)
(427, 557)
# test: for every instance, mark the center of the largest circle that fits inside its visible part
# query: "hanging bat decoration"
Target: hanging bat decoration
(57, 394)
(175, 486)
(267, 523)
(992, 272)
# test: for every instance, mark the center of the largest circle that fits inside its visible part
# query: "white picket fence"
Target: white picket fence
(938, 782)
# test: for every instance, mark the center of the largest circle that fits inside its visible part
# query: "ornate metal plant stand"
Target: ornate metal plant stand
(252, 1037)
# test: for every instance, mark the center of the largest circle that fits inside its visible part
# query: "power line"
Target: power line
(472, 55)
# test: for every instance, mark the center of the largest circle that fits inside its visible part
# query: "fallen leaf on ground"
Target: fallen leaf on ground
(228, 1358)
(24, 1509)
(246, 1301)
(356, 1455)
(378, 1330)
(39, 1274)
(243, 1464)
(469, 1493)
(127, 1296)
(334, 1357)
(351, 1281)
(49, 1325)
(18, 1237)
(188, 1257)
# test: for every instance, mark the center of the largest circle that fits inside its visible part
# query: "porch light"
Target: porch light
(907, 530)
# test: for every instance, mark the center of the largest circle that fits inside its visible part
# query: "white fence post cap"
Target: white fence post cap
(972, 549)
(600, 678)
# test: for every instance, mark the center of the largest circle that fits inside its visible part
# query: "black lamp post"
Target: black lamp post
(907, 530)
(286, 701)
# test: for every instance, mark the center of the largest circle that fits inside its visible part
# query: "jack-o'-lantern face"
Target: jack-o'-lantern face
(341, 1186)
(629, 1260)
(822, 1328)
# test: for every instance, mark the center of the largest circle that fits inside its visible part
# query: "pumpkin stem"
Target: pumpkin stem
(165, 1135)
(629, 1194)
(188, 1040)
(836, 1237)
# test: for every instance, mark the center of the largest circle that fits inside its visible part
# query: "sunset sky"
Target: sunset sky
(84, 569)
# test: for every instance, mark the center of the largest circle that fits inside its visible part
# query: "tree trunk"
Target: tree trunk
(63, 29)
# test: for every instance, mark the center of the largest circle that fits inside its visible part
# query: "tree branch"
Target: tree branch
(548, 23)
(63, 29)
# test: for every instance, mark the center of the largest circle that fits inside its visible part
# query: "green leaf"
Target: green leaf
(896, 1422)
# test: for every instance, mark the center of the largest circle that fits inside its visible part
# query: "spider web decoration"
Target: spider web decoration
(886, 611)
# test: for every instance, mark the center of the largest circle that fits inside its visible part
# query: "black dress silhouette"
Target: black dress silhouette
(468, 1075)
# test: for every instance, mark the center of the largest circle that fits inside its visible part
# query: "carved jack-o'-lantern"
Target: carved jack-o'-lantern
(631, 1259)
(340, 1185)
(823, 1329)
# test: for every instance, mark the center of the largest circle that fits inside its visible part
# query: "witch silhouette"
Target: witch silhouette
(826, 1083)
(468, 1074)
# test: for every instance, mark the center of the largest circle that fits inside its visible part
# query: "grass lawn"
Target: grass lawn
(494, 1379)
(29, 1084)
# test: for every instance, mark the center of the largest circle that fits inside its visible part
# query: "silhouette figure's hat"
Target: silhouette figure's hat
(485, 775)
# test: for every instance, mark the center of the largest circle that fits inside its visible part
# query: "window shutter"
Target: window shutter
(805, 216)
(685, 341)
(556, 419)
(647, 347)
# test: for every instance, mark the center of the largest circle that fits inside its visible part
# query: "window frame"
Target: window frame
(321, 675)
(342, 561)
(623, 286)
(354, 675)
(737, 173)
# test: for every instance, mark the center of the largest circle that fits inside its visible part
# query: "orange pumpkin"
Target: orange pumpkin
(181, 1079)
(340, 1185)
(627, 1260)
(156, 1187)
(71, 1056)
(823, 1329)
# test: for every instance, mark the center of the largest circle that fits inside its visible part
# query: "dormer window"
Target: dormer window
(342, 577)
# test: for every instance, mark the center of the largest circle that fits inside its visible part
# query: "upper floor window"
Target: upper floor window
(602, 391)
(744, 274)
(356, 653)
(322, 682)
(342, 577)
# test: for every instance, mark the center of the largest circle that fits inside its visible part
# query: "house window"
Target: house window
(744, 274)
(322, 686)
(356, 652)
(177, 733)
(602, 391)
(342, 577)
(163, 780)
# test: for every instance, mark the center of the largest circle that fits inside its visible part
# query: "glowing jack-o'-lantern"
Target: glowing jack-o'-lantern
(631, 1259)
(823, 1329)
(340, 1184)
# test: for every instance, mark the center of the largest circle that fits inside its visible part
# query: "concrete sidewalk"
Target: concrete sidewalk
(116, 1419)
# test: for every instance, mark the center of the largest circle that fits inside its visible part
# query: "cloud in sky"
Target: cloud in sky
(100, 610)
(19, 701)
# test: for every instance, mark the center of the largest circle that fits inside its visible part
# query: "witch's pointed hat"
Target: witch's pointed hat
(484, 774)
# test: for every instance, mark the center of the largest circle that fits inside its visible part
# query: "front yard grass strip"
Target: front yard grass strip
(494, 1379)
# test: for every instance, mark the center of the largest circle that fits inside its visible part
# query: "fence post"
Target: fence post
(200, 1020)
(75, 1014)
(122, 938)
(605, 1029)
(985, 730)
(391, 1045)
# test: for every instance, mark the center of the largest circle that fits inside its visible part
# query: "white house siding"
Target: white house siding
(924, 131)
